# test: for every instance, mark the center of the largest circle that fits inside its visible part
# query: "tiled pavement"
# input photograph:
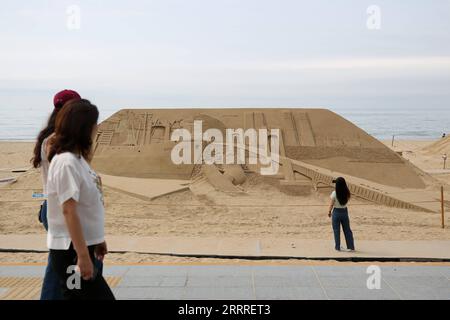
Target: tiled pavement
(249, 282)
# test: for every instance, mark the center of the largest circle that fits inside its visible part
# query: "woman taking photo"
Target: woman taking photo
(339, 214)
(75, 204)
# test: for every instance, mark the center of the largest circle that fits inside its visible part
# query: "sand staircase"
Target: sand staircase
(413, 199)
(105, 137)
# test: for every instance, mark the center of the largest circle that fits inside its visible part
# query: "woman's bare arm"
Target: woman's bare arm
(76, 234)
(330, 208)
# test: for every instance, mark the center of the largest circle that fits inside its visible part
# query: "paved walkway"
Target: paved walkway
(250, 282)
(251, 247)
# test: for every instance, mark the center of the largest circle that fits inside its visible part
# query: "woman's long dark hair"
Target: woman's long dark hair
(45, 133)
(342, 191)
(73, 129)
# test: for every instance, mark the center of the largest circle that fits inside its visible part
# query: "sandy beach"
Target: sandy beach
(262, 212)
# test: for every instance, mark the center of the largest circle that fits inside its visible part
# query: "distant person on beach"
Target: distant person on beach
(75, 204)
(443, 135)
(50, 287)
(338, 213)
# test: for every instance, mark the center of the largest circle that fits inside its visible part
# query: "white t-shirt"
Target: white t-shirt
(70, 176)
(44, 165)
(337, 205)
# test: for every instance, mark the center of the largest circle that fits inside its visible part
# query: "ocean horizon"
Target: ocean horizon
(24, 124)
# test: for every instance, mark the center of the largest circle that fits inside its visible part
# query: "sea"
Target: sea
(24, 123)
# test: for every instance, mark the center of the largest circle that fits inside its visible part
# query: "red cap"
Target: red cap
(63, 96)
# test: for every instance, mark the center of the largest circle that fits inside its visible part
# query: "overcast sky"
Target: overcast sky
(227, 53)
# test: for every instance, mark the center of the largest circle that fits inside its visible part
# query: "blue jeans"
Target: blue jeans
(340, 217)
(51, 288)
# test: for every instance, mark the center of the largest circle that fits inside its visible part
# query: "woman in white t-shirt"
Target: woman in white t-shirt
(75, 204)
(339, 213)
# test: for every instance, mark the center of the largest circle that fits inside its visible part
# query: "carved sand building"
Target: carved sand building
(316, 145)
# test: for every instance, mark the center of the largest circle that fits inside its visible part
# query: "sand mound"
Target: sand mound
(439, 147)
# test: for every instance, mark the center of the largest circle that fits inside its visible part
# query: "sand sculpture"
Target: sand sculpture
(315, 146)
